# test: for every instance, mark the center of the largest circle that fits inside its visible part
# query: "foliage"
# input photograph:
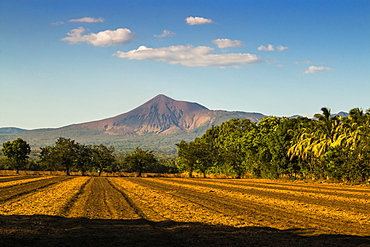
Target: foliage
(195, 155)
(17, 152)
(102, 157)
(139, 159)
(166, 166)
(3, 163)
(335, 147)
(83, 158)
(325, 147)
(64, 154)
(68, 154)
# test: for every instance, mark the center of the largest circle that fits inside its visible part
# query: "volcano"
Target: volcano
(163, 115)
(157, 124)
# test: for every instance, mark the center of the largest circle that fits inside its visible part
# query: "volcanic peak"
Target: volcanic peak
(161, 115)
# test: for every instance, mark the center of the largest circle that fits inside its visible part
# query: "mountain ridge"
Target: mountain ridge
(11, 130)
(162, 115)
(156, 124)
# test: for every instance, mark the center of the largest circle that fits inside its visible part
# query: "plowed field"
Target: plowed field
(114, 211)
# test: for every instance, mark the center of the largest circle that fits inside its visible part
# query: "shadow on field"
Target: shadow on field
(40, 230)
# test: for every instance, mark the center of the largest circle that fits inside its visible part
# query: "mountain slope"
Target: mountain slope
(11, 130)
(157, 124)
(163, 115)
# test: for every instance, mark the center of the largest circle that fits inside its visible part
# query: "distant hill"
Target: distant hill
(295, 116)
(11, 130)
(342, 114)
(157, 124)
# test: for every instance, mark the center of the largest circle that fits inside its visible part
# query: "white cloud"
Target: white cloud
(197, 20)
(281, 48)
(266, 48)
(57, 23)
(303, 62)
(165, 33)
(121, 36)
(224, 43)
(270, 47)
(314, 69)
(88, 19)
(190, 56)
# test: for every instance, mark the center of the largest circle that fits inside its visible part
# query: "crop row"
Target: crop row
(242, 203)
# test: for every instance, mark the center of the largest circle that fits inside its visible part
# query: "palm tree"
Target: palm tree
(327, 123)
(312, 142)
(325, 116)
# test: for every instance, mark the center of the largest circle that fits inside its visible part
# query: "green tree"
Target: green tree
(63, 154)
(335, 147)
(84, 158)
(313, 141)
(196, 155)
(17, 152)
(264, 148)
(68, 154)
(139, 159)
(357, 115)
(168, 166)
(236, 144)
(327, 146)
(186, 154)
(48, 159)
(205, 155)
(102, 157)
(3, 163)
(274, 140)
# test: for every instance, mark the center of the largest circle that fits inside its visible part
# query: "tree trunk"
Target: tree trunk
(239, 175)
(140, 170)
(17, 166)
(191, 172)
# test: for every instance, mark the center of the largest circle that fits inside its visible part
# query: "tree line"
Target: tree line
(329, 147)
(68, 155)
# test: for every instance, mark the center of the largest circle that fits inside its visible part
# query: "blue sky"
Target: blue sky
(65, 62)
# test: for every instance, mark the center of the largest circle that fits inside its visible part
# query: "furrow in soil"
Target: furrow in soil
(48, 200)
(10, 193)
(273, 212)
(100, 200)
(333, 200)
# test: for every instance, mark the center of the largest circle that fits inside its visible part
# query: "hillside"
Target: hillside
(163, 115)
(160, 115)
(158, 124)
(11, 130)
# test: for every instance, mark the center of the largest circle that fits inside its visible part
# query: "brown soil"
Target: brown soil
(83, 211)
(11, 192)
